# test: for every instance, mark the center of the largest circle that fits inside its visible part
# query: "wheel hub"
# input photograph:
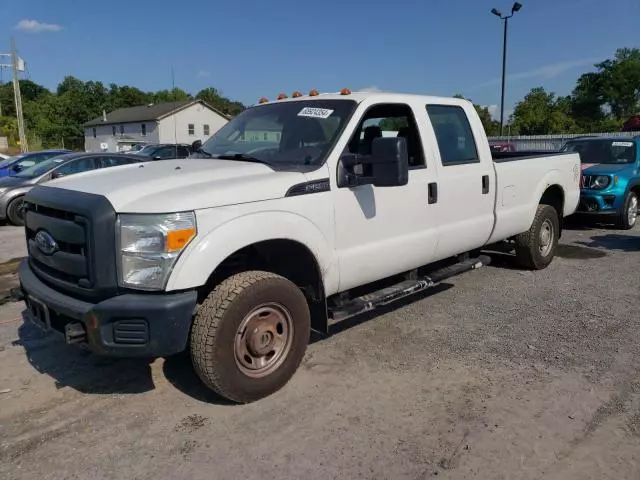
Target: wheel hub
(546, 238)
(263, 340)
(632, 213)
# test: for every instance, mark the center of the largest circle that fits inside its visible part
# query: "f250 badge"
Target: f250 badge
(45, 242)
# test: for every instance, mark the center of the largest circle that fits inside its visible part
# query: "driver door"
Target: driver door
(383, 231)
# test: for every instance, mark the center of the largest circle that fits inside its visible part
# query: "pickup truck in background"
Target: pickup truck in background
(237, 255)
(610, 178)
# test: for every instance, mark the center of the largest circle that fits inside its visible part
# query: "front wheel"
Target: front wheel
(250, 335)
(629, 215)
(535, 248)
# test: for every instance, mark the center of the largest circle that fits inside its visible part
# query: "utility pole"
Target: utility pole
(17, 66)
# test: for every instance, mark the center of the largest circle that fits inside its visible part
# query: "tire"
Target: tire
(13, 211)
(532, 251)
(226, 356)
(629, 215)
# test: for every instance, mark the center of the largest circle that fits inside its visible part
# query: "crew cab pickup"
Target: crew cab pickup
(610, 178)
(296, 214)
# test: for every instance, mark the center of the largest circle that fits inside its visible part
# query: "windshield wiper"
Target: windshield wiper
(243, 157)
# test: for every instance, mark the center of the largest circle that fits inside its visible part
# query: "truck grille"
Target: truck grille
(69, 262)
(71, 242)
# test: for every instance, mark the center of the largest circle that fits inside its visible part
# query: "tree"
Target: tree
(540, 113)
(212, 97)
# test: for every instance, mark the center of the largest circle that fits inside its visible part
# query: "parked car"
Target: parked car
(3, 157)
(610, 184)
(164, 151)
(502, 147)
(27, 160)
(13, 189)
(236, 257)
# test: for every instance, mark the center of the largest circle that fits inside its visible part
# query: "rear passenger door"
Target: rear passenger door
(466, 182)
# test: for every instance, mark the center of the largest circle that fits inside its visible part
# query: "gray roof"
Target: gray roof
(146, 113)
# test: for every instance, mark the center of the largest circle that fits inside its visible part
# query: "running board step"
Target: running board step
(388, 295)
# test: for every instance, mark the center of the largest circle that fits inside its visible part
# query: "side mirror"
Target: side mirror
(16, 168)
(387, 166)
(156, 157)
(195, 146)
(55, 175)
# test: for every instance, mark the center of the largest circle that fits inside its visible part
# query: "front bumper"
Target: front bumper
(129, 325)
(598, 204)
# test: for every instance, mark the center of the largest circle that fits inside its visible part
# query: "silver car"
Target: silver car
(13, 189)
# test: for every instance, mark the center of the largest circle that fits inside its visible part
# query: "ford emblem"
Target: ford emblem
(46, 243)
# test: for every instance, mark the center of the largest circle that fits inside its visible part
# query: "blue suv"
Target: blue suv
(610, 183)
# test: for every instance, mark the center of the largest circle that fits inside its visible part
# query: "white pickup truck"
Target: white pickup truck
(298, 213)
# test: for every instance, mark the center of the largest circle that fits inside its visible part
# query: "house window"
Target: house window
(113, 130)
(205, 129)
(143, 129)
(265, 136)
(94, 133)
(121, 129)
(191, 128)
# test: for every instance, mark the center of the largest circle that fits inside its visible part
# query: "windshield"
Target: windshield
(8, 161)
(40, 168)
(288, 133)
(603, 151)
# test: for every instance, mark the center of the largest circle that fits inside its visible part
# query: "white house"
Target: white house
(172, 122)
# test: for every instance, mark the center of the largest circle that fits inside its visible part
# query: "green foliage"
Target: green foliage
(56, 119)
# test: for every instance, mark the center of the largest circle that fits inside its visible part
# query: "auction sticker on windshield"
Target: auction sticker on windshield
(622, 144)
(315, 112)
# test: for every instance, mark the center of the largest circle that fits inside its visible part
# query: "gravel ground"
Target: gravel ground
(499, 374)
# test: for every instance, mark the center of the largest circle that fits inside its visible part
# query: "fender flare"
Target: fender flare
(205, 254)
(552, 178)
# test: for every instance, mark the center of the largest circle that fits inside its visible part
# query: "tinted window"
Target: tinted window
(391, 120)
(453, 133)
(165, 153)
(77, 166)
(183, 152)
(114, 161)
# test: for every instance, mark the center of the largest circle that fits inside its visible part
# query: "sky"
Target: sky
(248, 48)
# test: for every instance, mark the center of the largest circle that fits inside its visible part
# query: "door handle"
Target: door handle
(432, 193)
(485, 184)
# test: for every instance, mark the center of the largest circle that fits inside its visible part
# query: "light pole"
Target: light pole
(516, 7)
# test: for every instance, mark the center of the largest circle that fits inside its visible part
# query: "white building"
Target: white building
(173, 122)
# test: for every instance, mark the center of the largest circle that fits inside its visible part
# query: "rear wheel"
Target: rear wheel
(250, 335)
(629, 215)
(15, 211)
(535, 249)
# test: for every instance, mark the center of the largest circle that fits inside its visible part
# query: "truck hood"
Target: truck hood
(605, 168)
(181, 185)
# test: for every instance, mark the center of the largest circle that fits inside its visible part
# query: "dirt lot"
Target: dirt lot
(502, 374)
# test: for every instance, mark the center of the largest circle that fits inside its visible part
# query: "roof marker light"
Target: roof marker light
(263, 100)
(345, 91)
(296, 94)
(282, 96)
(314, 93)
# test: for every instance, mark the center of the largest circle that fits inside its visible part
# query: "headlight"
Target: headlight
(150, 246)
(599, 182)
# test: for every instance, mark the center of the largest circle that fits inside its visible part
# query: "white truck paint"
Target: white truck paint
(296, 222)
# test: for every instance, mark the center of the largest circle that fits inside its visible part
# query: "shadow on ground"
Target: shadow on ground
(79, 369)
(620, 243)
